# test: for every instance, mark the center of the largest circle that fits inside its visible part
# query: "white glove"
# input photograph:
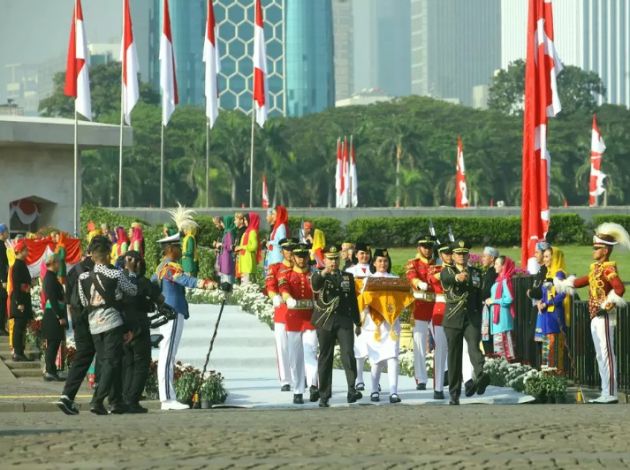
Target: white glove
(421, 285)
(291, 302)
(276, 301)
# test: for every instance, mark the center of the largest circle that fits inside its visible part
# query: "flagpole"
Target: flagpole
(120, 149)
(251, 158)
(162, 167)
(208, 163)
(76, 170)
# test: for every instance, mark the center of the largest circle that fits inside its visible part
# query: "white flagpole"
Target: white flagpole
(162, 167)
(76, 170)
(122, 111)
(251, 158)
(208, 163)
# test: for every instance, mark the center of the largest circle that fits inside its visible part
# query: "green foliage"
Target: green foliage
(567, 229)
(623, 220)
(332, 228)
(547, 388)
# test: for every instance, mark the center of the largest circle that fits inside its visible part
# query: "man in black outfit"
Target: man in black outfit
(488, 277)
(137, 353)
(4, 274)
(21, 306)
(462, 319)
(336, 311)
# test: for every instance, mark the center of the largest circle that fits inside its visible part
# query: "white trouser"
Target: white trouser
(172, 332)
(244, 278)
(282, 353)
(603, 338)
(309, 342)
(420, 340)
(360, 368)
(296, 361)
(439, 356)
(392, 375)
(467, 368)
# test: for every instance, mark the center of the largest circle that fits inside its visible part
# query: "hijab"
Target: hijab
(282, 218)
(253, 226)
(506, 275)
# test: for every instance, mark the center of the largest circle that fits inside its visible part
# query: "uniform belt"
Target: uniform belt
(425, 296)
(441, 298)
(303, 304)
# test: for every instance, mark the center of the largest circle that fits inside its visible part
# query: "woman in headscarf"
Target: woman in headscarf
(280, 228)
(501, 303)
(60, 250)
(122, 244)
(137, 238)
(226, 253)
(553, 309)
(249, 249)
(55, 318)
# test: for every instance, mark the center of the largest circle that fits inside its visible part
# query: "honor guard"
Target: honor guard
(280, 310)
(296, 291)
(418, 276)
(336, 312)
(462, 320)
(605, 291)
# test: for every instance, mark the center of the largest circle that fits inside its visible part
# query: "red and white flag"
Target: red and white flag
(265, 193)
(261, 97)
(596, 184)
(213, 66)
(77, 83)
(353, 187)
(461, 189)
(541, 102)
(338, 175)
(130, 88)
(168, 79)
(345, 176)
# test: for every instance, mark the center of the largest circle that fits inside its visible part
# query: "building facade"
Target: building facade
(343, 34)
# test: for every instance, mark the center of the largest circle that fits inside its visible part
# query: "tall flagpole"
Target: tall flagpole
(251, 158)
(122, 105)
(162, 167)
(76, 170)
(208, 163)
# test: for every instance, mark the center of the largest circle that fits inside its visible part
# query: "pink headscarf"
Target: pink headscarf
(506, 275)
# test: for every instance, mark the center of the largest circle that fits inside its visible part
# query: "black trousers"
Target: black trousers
(3, 308)
(109, 350)
(53, 333)
(136, 363)
(327, 340)
(82, 359)
(454, 338)
(19, 330)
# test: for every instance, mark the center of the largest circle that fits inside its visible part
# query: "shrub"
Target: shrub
(623, 220)
(567, 229)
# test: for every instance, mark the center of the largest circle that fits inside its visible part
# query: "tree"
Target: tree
(578, 89)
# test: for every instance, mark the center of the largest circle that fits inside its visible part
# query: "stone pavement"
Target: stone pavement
(528, 436)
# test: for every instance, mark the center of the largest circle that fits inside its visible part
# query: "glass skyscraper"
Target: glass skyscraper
(310, 77)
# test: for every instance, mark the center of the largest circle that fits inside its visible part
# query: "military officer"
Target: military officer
(336, 311)
(462, 320)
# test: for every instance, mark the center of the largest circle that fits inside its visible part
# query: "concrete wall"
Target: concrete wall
(158, 216)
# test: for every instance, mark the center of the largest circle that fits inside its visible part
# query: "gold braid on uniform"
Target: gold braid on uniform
(326, 307)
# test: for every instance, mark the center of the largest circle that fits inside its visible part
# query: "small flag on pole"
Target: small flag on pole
(596, 183)
(461, 189)
(265, 193)
(168, 78)
(338, 175)
(354, 186)
(77, 83)
(131, 91)
(213, 66)
(261, 98)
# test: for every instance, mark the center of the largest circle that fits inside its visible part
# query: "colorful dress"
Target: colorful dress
(550, 325)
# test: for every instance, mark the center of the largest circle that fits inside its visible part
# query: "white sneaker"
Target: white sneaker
(174, 405)
(604, 400)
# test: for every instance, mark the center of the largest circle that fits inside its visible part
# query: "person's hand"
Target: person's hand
(20, 308)
(62, 322)
(540, 305)
(291, 302)
(357, 330)
(276, 301)
(131, 264)
(488, 301)
(462, 277)
(609, 306)
(4, 285)
(128, 337)
(209, 284)
(421, 285)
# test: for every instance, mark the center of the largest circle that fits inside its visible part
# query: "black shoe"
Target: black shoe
(353, 396)
(482, 383)
(285, 388)
(421, 386)
(394, 398)
(360, 386)
(50, 377)
(135, 408)
(98, 409)
(297, 399)
(438, 395)
(119, 409)
(67, 406)
(374, 396)
(470, 388)
(313, 394)
(379, 387)
(20, 358)
(446, 379)
(323, 403)
(454, 401)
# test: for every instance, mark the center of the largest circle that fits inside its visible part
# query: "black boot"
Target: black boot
(313, 394)
(297, 399)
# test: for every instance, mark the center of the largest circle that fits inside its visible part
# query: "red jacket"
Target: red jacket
(439, 307)
(271, 286)
(601, 279)
(418, 269)
(296, 284)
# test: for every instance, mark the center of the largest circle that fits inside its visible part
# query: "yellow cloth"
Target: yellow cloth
(319, 241)
(559, 264)
(384, 306)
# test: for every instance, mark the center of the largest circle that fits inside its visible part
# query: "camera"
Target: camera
(162, 316)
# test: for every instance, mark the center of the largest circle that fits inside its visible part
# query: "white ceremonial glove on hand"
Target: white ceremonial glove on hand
(421, 285)
(291, 302)
(276, 301)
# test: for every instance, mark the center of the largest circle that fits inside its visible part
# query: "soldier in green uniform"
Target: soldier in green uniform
(336, 313)
(462, 320)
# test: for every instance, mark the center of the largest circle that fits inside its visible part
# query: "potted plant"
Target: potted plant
(212, 391)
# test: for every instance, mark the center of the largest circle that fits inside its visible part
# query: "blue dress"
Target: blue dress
(506, 322)
(550, 320)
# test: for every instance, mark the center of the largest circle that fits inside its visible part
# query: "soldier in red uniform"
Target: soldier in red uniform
(439, 307)
(296, 291)
(279, 316)
(418, 276)
(605, 291)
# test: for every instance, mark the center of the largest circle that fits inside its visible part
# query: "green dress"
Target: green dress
(190, 262)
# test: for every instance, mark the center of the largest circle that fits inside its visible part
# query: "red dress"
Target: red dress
(418, 268)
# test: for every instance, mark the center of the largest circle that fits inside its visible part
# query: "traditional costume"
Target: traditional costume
(137, 238)
(279, 231)
(249, 249)
(187, 227)
(226, 254)
(502, 312)
(418, 276)
(121, 246)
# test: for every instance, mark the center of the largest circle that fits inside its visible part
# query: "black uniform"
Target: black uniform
(84, 344)
(462, 319)
(55, 310)
(4, 274)
(336, 312)
(20, 296)
(137, 354)
(488, 278)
